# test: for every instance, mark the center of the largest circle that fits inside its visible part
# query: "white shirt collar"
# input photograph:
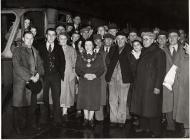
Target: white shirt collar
(174, 46)
(106, 48)
(48, 44)
(96, 50)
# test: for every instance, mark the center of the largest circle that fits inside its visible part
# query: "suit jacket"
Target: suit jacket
(23, 69)
(59, 58)
(122, 58)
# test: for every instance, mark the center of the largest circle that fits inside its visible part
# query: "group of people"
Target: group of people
(133, 76)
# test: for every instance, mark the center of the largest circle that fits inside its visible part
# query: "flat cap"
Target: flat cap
(112, 26)
(121, 33)
(97, 36)
(108, 35)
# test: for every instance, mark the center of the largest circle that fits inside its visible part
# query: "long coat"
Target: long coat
(23, 70)
(89, 93)
(181, 96)
(68, 84)
(168, 95)
(150, 74)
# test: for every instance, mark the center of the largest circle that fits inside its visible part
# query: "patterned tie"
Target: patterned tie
(174, 52)
(50, 49)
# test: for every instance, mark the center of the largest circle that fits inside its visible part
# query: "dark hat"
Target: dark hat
(173, 31)
(133, 30)
(76, 32)
(121, 33)
(162, 32)
(97, 36)
(108, 35)
(112, 26)
(84, 29)
(69, 24)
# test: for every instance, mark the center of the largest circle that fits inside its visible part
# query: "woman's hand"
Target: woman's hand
(90, 76)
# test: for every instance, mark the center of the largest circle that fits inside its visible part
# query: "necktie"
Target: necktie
(107, 50)
(174, 52)
(50, 49)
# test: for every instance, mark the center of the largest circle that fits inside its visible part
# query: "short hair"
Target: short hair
(50, 29)
(27, 32)
(26, 18)
(59, 25)
(137, 41)
(90, 41)
(33, 27)
(64, 34)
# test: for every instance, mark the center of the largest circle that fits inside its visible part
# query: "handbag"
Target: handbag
(34, 87)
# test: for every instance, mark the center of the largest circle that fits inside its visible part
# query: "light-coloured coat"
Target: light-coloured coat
(168, 96)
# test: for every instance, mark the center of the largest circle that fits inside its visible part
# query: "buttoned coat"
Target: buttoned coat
(23, 69)
(150, 74)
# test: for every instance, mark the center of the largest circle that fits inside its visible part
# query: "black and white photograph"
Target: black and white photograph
(94, 69)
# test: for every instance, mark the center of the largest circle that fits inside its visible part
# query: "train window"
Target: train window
(36, 20)
(61, 19)
(7, 21)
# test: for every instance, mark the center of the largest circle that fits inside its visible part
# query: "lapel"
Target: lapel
(168, 54)
(31, 58)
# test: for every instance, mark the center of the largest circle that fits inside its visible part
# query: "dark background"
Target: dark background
(164, 14)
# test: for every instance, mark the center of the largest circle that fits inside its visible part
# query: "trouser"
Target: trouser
(119, 110)
(25, 116)
(152, 124)
(19, 117)
(52, 81)
(170, 121)
(32, 109)
(99, 115)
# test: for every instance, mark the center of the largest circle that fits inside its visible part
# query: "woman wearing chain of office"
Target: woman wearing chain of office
(89, 68)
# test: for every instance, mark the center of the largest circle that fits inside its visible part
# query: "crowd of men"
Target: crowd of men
(145, 77)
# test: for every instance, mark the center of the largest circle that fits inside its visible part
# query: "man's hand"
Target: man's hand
(34, 79)
(156, 91)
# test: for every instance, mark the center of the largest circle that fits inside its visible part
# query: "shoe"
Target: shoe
(113, 124)
(18, 130)
(78, 115)
(121, 125)
(186, 135)
(57, 124)
(139, 130)
(91, 123)
(155, 135)
(65, 118)
(85, 122)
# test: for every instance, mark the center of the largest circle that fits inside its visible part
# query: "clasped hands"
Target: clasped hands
(35, 78)
(89, 76)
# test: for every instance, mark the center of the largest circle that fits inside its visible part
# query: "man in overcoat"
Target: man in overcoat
(146, 97)
(173, 52)
(27, 65)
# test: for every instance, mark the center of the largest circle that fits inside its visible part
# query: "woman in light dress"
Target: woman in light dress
(68, 85)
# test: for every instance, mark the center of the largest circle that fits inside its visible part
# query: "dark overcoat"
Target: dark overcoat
(23, 70)
(150, 74)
